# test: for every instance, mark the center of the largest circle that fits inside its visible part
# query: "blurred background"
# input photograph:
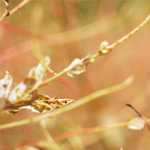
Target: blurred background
(64, 30)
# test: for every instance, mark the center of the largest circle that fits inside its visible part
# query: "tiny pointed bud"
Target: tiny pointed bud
(136, 124)
(104, 47)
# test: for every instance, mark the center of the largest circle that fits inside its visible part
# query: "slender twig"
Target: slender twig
(135, 110)
(51, 143)
(90, 130)
(131, 33)
(109, 49)
(16, 8)
(98, 53)
(56, 75)
(93, 130)
(74, 105)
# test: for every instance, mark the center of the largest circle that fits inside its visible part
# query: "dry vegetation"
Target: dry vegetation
(62, 83)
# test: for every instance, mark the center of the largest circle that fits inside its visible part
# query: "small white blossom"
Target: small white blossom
(38, 72)
(17, 92)
(5, 85)
(76, 67)
(136, 124)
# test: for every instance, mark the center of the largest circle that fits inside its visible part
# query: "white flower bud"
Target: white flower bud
(76, 67)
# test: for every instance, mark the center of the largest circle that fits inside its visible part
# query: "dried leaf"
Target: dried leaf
(45, 103)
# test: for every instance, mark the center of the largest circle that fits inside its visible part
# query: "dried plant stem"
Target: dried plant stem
(9, 13)
(127, 36)
(4, 15)
(95, 129)
(74, 105)
(51, 143)
(90, 130)
(56, 75)
(110, 47)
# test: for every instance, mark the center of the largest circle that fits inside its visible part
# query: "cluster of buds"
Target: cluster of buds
(78, 66)
(25, 94)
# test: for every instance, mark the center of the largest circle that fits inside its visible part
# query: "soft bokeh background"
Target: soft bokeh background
(64, 30)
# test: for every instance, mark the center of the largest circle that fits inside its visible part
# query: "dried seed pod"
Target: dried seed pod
(76, 68)
(39, 71)
(34, 78)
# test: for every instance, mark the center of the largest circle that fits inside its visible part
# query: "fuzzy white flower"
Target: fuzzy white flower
(136, 124)
(17, 93)
(5, 85)
(38, 72)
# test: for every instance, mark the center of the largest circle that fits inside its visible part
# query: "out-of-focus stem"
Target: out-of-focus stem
(76, 104)
(52, 145)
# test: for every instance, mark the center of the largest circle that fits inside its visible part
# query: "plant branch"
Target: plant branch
(106, 49)
(131, 33)
(91, 130)
(51, 143)
(96, 129)
(9, 13)
(70, 107)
